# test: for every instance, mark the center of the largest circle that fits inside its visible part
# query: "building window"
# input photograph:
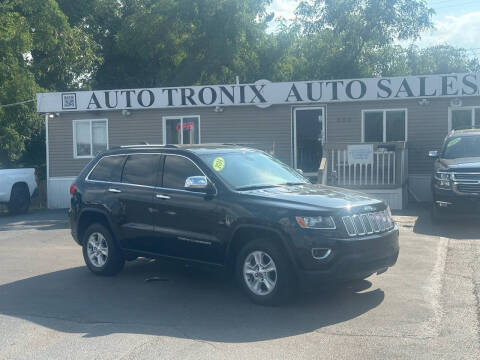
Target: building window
(384, 125)
(464, 118)
(90, 137)
(181, 130)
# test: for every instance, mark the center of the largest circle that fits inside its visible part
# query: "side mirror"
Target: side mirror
(433, 154)
(199, 183)
(300, 171)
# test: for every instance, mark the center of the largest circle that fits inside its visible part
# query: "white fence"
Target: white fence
(383, 170)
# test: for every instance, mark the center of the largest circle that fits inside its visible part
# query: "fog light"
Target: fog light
(443, 203)
(321, 253)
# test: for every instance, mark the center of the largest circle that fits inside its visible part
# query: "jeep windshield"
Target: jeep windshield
(249, 169)
(462, 147)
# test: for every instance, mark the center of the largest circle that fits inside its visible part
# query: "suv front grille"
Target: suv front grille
(466, 176)
(466, 182)
(469, 188)
(369, 223)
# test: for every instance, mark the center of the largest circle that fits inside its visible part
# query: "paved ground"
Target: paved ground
(51, 307)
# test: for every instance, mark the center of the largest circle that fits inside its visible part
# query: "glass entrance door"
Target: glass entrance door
(308, 138)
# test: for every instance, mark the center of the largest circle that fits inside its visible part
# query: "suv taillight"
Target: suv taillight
(36, 176)
(73, 188)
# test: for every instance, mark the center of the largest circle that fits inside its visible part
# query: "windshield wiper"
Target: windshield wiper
(254, 187)
(292, 183)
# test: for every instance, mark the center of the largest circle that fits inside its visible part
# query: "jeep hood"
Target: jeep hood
(320, 196)
(464, 164)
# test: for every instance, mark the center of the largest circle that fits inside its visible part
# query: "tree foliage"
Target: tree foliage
(56, 45)
(39, 51)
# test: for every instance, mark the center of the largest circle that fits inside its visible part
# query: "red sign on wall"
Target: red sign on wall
(186, 125)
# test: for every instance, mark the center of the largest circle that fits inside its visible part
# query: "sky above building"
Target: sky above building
(457, 22)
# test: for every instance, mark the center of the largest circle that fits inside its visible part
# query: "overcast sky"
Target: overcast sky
(457, 22)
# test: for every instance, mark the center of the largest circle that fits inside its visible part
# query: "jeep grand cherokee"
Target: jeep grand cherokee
(232, 207)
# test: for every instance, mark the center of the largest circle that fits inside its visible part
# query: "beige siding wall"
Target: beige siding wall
(269, 128)
(427, 125)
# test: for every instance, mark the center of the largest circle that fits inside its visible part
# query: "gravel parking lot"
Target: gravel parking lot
(52, 307)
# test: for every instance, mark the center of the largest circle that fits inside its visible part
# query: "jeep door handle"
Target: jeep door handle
(161, 196)
(112, 190)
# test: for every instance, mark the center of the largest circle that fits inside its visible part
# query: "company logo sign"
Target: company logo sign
(264, 93)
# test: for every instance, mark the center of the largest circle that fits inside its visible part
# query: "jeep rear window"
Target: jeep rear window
(141, 169)
(462, 147)
(108, 169)
(251, 169)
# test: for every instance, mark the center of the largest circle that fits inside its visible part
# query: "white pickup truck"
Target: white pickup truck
(17, 187)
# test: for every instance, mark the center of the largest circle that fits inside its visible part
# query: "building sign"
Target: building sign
(189, 125)
(264, 93)
(360, 154)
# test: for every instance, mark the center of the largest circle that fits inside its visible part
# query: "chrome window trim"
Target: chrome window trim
(147, 186)
(96, 164)
(193, 162)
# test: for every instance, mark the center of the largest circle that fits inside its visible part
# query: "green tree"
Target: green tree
(441, 59)
(345, 35)
(39, 51)
(174, 42)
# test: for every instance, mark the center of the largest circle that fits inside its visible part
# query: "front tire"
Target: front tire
(100, 251)
(19, 200)
(264, 273)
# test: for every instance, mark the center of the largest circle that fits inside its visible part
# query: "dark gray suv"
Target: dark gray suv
(456, 177)
(234, 208)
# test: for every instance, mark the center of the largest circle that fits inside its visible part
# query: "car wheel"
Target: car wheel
(264, 273)
(100, 252)
(19, 200)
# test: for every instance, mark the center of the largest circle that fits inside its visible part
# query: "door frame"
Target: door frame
(294, 128)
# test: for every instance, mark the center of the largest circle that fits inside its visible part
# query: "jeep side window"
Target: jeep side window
(108, 169)
(141, 169)
(176, 170)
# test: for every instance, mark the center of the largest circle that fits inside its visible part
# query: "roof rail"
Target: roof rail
(148, 145)
(238, 144)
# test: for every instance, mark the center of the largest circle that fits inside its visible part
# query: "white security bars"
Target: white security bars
(381, 171)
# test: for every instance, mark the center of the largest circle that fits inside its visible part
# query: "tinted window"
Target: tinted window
(141, 169)
(177, 169)
(461, 119)
(395, 126)
(373, 127)
(108, 168)
(245, 169)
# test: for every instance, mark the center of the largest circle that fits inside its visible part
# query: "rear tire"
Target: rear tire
(19, 199)
(264, 273)
(100, 252)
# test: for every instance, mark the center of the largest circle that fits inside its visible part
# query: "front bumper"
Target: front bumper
(354, 259)
(453, 200)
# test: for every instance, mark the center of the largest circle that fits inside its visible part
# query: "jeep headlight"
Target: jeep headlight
(316, 222)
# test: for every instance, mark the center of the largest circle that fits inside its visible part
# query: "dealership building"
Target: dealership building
(374, 133)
